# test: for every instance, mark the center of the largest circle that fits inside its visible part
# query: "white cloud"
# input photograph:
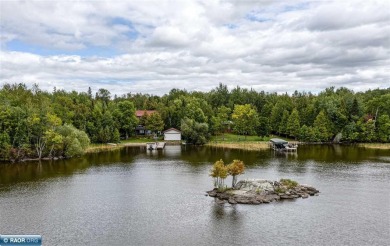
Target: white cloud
(194, 45)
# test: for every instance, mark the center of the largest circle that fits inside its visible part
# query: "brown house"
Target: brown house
(140, 113)
(141, 129)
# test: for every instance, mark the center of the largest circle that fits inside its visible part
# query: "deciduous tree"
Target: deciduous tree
(154, 122)
(194, 132)
(245, 119)
(219, 172)
(236, 168)
(125, 116)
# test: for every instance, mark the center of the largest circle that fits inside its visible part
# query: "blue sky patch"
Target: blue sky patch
(231, 26)
(132, 34)
(252, 16)
(295, 7)
(17, 45)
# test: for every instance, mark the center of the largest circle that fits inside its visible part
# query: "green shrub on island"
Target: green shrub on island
(289, 183)
(279, 190)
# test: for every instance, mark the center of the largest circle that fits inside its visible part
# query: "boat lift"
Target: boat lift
(278, 144)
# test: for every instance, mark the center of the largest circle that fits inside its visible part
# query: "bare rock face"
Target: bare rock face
(258, 191)
(254, 185)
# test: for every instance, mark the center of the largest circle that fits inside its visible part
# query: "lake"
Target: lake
(137, 197)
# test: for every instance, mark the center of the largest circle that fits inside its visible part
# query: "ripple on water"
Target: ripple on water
(144, 199)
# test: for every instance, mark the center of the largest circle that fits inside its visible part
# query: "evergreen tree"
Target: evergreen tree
(322, 127)
(293, 124)
(283, 123)
(264, 127)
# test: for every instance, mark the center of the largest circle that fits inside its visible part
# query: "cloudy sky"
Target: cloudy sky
(152, 46)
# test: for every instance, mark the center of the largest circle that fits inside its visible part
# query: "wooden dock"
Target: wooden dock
(155, 145)
(160, 145)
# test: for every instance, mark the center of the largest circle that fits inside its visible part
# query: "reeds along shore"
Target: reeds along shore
(265, 145)
(95, 148)
(374, 145)
(244, 145)
(229, 145)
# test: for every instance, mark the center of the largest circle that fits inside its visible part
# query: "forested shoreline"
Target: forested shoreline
(40, 124)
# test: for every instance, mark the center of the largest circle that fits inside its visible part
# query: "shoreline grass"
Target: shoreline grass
(240, 145)
(226, 141)
(233, 138)
(233, 141)
(95, 148)
(385, 146)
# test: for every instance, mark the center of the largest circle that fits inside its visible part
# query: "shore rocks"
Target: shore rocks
(257, 191)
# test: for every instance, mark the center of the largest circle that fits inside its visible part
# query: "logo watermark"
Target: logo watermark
(16, 240)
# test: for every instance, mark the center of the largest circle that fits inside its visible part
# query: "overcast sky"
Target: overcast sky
(154, 46)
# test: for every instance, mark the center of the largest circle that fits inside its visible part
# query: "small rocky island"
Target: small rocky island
(257, 191)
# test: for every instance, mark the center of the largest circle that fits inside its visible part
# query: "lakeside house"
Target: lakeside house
(140, 113)
(141, 129)
(172, 134)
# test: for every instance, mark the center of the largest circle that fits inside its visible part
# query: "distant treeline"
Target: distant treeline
(36, 123)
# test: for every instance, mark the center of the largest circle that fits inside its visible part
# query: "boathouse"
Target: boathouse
(282, 145)
(172, 134)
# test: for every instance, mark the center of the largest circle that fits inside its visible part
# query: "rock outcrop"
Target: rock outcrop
(257, 191)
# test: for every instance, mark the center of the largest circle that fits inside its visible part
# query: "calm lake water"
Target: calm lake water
(138, 197)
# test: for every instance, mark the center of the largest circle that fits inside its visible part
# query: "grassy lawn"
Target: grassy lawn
(93, 148)
(233, 138)
(139, 140)
(98, 147)
(233, 141)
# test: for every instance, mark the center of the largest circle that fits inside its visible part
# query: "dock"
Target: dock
(160, 145)
(282, 145)
(155, 145)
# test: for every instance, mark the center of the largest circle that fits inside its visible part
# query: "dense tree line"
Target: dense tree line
(33, 122)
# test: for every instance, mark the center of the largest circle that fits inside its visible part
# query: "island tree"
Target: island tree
(219, 172)
(234, 169)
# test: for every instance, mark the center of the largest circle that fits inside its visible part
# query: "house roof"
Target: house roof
(140, 113)
(172, 129)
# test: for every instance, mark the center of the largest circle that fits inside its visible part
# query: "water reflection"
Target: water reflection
(172, 151)
(147, 198)
(336, 153)
(195, 157)
(226, 212)
(283, 154)
(36, 170)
